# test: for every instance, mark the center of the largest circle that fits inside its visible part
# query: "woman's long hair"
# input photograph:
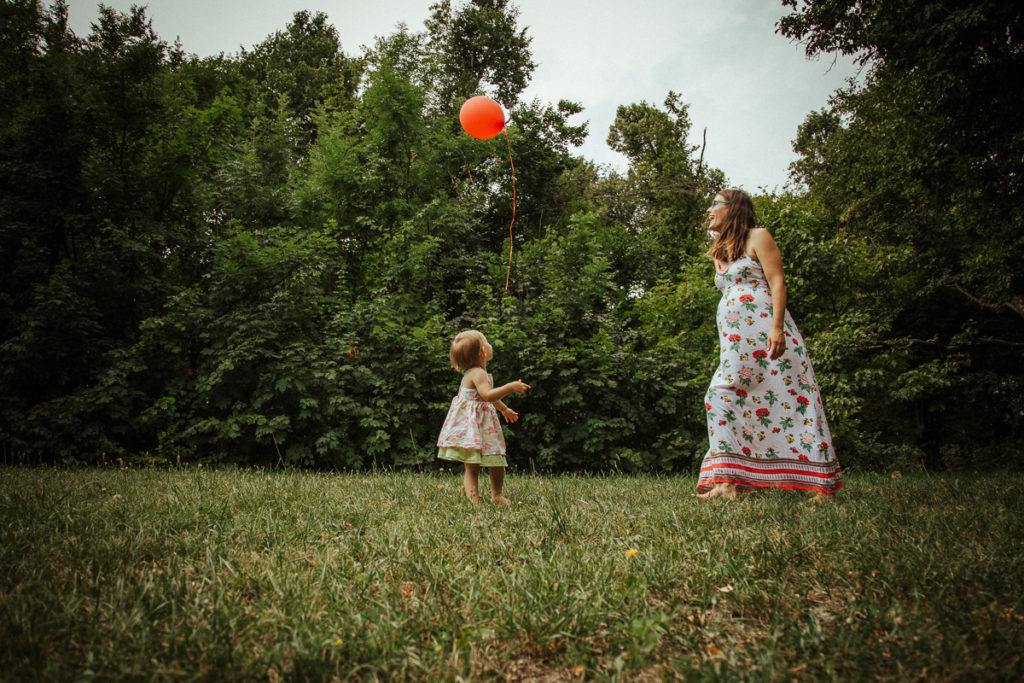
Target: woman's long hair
(740, 219)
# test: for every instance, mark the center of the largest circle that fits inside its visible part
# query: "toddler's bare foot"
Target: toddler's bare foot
(472, 495)
(500, 500)
(727, 491)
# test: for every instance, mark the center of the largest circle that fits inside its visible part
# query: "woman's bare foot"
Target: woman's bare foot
(723, 490)
(500, 500)
(819, 498)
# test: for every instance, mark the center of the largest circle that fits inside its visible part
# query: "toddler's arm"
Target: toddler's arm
(510, 415)
(479, 380)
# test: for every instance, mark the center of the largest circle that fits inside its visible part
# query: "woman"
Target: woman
(766, 424)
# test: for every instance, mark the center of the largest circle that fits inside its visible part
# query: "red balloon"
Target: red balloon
(482, 117)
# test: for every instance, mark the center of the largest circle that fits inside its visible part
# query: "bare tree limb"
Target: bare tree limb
(1016, 305)
(938, 346)
(703, 144)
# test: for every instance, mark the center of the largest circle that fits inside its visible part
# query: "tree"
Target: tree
(667, 182)
(904, 161)
(812, 138)
(301, 68)
(934, 66)
(107, 152)
(479, 46)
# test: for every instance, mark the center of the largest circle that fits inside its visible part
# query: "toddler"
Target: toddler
(472, 433)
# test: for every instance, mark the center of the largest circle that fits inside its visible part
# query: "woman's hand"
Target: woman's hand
(776, 343)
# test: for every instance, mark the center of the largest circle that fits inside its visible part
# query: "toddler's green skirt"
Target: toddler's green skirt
(471, 456)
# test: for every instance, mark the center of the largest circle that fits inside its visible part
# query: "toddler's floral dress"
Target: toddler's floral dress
(471, 432)
(766, 424)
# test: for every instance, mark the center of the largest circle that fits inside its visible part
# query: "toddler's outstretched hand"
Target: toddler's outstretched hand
(519, 386)
(510, 415)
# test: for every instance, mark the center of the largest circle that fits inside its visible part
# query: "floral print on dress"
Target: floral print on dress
(766, 423)
(472, 423)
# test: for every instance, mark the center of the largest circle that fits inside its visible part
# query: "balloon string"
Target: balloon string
(508, 272)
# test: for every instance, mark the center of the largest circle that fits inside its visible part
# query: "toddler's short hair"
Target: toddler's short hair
(466, 350)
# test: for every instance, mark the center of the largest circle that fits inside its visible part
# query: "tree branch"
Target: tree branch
(703, 144)
(1016, 304)
(938, 346)
(674, 187)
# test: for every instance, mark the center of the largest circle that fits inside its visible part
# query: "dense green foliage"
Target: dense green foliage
(261, 258)
(190, 573)
(918, 174)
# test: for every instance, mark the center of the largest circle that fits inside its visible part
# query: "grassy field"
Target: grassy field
(227, 575)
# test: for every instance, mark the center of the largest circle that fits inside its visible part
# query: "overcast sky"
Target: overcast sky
(747, 85)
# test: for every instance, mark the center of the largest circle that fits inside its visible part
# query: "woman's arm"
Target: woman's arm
(762, 247)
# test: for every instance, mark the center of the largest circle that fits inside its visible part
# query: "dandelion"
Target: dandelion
(337, 642)
(631, 552)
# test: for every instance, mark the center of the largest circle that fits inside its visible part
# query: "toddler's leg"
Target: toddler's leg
(497, 475)
(471, 482)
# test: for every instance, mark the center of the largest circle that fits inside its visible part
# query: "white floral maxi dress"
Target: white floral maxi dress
(766, 424)
(471, 432)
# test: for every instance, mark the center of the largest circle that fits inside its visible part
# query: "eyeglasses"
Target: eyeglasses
(717, 201)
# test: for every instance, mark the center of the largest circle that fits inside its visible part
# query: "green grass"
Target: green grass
(229, 575)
